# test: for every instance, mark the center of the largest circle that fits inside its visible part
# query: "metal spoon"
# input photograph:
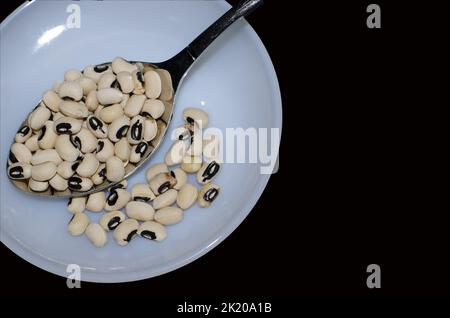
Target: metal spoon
(177, 66)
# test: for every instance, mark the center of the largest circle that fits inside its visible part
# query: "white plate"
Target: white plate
(234, 81)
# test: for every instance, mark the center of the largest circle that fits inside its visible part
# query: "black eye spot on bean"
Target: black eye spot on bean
(114, 222)
(100, 145)
(139, 77)
(76, 142)
(112, 198)
(95, 123)
(130, 236)
(42, 133)
(173, 174)
(75, 165)
(100, 68)
(148, 235)
(190, 120)
(12, 157)
(164, 187)
(142, 199)
(75, 183)
(122, 132)
(16, 172)
(145, 114)
(141, 148)
(63, 128)
(102, 173)
(210, 195)
(136, 131)
(115, 187)
(210, 171)
(24, 130)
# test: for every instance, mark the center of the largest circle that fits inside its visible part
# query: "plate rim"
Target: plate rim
(55, 267)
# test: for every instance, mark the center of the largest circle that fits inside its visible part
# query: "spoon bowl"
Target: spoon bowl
(175, 70)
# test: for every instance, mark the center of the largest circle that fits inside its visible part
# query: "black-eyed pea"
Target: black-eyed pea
(150, 129)
(67, 125)
(97, 127)
(138, 151)
(187, 196)
(161, 128)
(151, 230)
(166, 199)
(72, 75)
(96, 234)
(19, 153)
(71, 90)
(121, 65)
(42, 156)
(78, 224)
(117, 199)
(176, 152)
(44, 171)
(58, 183)
(168, 215)
(125, 81)
(162, 182)
(142, 192)
(86, 140)
(100, 175)
(109, 221)
(76, 205)
(138, 81)
(66, 169)
(166, 84)
(91, 101)
(23, 134)
(136, 131)
(88, 165)
(96, 72)
(140, 211)
(37, 186)
(180, 176)
(47, 136)
(208, 172)
(105, 149)
(109, 96)
(191, 164)
(38, 118)
(111, 113)
(118, 128)
(207, 194)
(155, 170)
(196, 146)
(115, 170)
(87, 84)
(152, 84)
(32, 143)
(96, 201)
(153, 108)
(19, 171)
(74, 109)
(134, 105)
(77, 183)
(52, 100)
(125, 231)
(106, 81)
(191, 115)
(122, 149)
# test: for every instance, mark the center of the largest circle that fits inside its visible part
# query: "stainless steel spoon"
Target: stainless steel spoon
(177, 66)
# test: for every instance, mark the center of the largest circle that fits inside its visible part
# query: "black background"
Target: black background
(355, 182)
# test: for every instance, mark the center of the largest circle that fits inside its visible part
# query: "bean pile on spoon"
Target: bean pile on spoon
(150, 207)
(92, 128)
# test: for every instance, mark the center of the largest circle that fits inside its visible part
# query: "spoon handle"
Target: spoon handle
(240, 10)
(180, 63)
